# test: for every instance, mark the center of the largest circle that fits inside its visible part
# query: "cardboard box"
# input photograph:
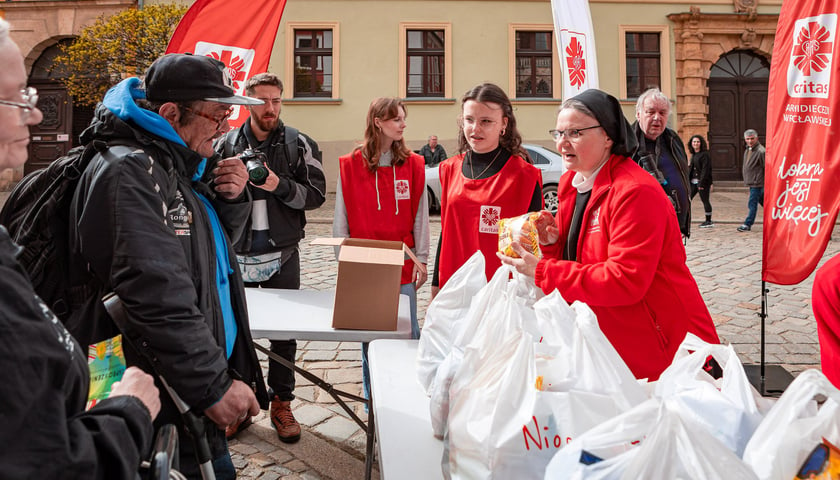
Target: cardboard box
(367, 291)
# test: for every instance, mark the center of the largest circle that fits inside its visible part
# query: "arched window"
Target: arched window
(740, 63)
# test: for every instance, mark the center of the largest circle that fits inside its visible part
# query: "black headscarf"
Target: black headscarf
(608, 112)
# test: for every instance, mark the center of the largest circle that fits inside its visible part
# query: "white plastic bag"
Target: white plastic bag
(500, 425)
(592, 360)
(726, 407)
(614, 442)
(681, 449)
(489, 394)
(446, 311)
(794, 426)
(484, 301)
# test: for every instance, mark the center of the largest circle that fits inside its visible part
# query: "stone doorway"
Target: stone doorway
(738, 84)
(701, 41)
(63, 121)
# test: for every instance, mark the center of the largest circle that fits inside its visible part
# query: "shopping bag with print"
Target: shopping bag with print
(604, 451)
(726, 407)
(683, 449)
(807, 412)
(443, 315)
(514, 404)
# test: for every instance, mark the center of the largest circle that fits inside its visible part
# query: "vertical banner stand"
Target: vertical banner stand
(769, 380)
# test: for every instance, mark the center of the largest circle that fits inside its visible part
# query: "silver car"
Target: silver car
(549, 161)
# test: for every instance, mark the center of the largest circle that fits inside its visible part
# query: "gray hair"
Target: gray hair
(574, 104)
(750, 133)
(656, 95)
(4, 31)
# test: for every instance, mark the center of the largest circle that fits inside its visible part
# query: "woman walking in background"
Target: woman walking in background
(381, 195)
(700, 173)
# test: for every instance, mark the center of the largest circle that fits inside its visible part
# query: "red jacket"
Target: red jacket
(382, 205)
(631, 267)
(471, 210)
(826, 305)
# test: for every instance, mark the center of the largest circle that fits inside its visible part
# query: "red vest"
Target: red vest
(471, 210)
(399, 191)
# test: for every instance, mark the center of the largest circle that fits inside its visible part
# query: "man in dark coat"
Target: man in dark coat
(268, 251)
(662, 154)
(155, 223)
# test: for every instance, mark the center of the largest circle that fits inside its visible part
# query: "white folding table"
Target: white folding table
(407, 446)
(280, 314)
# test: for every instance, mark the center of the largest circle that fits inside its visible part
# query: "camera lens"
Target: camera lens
(257, 172)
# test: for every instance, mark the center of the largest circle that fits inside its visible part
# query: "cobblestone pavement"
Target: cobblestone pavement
(725, 263)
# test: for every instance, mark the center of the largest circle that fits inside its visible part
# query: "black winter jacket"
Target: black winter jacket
(142, 229)
(44, 382)
(303, 186)
(701, 168)
(682, 199)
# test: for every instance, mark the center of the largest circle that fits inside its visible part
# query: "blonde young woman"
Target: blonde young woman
(381, 195)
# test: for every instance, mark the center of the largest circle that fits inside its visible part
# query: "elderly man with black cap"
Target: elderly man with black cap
(153, 219)
(615, 245)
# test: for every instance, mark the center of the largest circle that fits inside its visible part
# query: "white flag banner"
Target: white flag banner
(575, 45)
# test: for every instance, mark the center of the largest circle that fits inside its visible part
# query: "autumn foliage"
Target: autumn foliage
(115, 47)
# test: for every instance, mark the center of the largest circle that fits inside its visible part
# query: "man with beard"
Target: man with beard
(268, 251)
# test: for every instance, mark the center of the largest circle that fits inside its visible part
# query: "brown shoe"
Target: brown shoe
(233, 430)
(288, 429)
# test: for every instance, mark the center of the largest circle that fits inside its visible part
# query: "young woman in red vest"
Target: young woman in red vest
(491, 178)
(381, 195)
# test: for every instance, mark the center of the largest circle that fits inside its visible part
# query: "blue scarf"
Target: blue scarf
(120, 101)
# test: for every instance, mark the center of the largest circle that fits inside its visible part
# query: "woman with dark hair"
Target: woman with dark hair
(700, 173)
(491, 178)
(616, 244)
(381, 195)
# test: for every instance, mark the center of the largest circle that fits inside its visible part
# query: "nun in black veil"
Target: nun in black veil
(616, 245)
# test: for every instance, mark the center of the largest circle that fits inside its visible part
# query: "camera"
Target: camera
(255, 164)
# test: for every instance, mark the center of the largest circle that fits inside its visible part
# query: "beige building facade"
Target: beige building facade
(711, 58)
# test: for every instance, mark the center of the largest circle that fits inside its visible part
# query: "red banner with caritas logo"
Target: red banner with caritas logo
(802, 163)
(239, 33)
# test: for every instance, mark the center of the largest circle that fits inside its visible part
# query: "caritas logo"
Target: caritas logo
(238, 61)
(809, 70)
(576, 59)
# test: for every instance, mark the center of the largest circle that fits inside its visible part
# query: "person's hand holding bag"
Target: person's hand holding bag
(527, 262)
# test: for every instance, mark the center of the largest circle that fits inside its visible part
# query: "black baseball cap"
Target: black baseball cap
(186, 77)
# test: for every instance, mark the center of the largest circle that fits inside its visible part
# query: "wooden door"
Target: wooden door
(52, 137)
(737, 101)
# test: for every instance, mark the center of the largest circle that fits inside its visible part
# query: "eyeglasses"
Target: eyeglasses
(30, 99)
(569, 133)
(219, 121)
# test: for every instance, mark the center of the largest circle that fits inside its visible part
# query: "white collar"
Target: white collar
(583, 184)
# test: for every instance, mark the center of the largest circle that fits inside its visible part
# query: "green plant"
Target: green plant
(115, 47)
